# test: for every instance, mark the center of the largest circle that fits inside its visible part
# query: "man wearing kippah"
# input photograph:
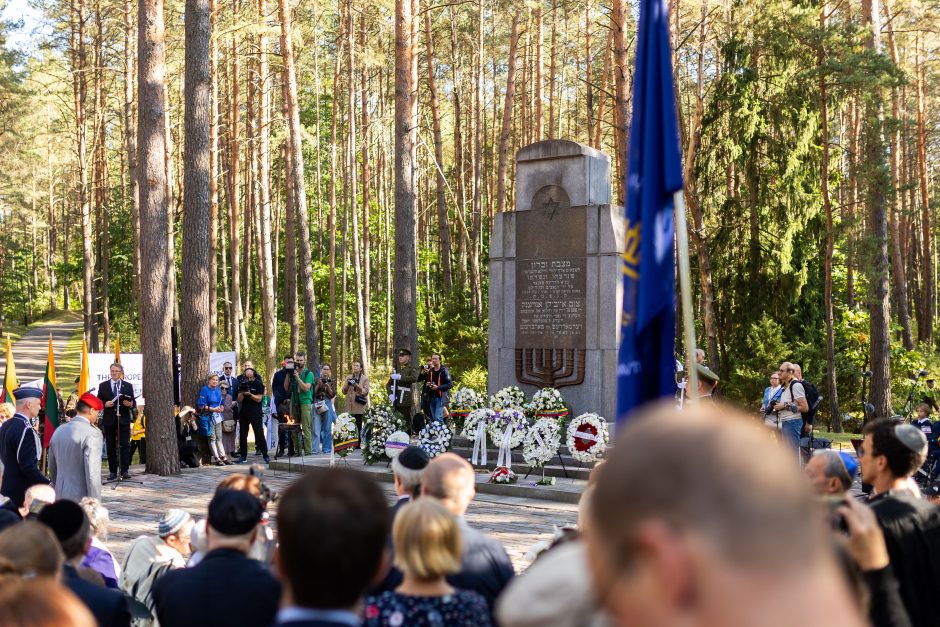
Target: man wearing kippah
(75, 452)
(150, 557)
(20, 447)
(230, 588)
(890, 454)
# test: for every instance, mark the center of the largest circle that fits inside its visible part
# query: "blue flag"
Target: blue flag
(646, 366)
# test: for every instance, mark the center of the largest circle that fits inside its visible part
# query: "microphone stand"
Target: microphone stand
(909, 403)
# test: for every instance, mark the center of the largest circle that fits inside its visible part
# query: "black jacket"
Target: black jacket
(226, 588)
(108, 606)
(19, 453)
(912, 534)
(109, 415)
(485, 566)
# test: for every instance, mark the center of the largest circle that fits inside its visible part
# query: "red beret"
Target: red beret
(92, 401)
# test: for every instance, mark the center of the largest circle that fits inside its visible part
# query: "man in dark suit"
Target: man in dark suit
(227, 587)
(485, 565)
(118, 398)
(332, 526)
(68, 522)
(20, 447)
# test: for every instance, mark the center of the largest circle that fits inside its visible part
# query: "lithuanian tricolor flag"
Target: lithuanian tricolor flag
(10, 381)
(50, 400)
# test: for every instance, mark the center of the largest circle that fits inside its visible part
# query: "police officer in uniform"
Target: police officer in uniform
(400, 385)
(20, 447)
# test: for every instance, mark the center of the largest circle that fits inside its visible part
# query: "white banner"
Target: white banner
(99, 369)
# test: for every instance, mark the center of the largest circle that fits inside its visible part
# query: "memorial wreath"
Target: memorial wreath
(381, 421)
(547, 403)
(587, 437)
(510, 396)
(435, 438)
(345, 435)
(395, 443)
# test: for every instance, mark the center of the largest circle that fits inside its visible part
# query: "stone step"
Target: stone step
(517, 457)
(564, 491)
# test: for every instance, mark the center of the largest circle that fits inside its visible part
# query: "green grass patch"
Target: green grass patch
(69, 363)
(839, 438)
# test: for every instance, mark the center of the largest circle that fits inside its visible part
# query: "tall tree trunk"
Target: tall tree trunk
(234, 128)
(878, 180)
(897, 261)
(406, 113)
(299, 187)
(831, 390)
(79, 85)
(352, 152)
(476, 278)
(156, 307)
(130, 141)
(501, 195)
(194, 317)
(443, 224)
(268, 310)
(925, 328)
(539, 70)
(213, 181)
(290, 257)
(331, 218)
(618, 17)
(588, 78)
(366, 199)
(608, 52)
(102, 190)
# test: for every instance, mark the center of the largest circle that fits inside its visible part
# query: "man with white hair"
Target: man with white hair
(408, 469)
(150, 557)
(485, 566)
(20, 447)
(831, 473)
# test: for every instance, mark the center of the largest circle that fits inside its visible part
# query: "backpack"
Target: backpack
(813, 399)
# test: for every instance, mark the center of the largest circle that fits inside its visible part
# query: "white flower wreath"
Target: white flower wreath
(344, 430)
(395, 443)
(502, 420)
(507, 397)
(484, 414)
(542, 441)
(435, 438)
(466, 399)
(382, 421)
(587, 437)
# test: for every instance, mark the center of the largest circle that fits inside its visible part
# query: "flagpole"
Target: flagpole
(685, 290)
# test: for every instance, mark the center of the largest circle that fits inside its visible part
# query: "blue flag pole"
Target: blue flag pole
(646, 368)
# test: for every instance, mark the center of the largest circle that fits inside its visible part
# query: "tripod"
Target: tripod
(868, 410)
(908, 407)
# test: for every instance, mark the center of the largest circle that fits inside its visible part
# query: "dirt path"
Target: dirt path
(31, 350)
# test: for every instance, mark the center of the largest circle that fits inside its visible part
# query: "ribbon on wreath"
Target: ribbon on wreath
(586, 435)
(505, 453)
(479, 445)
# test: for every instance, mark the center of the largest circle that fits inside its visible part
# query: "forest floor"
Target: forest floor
(136, 506)
(31, 348)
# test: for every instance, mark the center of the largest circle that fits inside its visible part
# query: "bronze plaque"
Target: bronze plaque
(551, 280)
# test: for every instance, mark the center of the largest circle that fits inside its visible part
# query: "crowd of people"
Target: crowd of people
(695, 517)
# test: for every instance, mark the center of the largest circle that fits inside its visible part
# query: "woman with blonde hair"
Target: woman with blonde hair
(428, 548)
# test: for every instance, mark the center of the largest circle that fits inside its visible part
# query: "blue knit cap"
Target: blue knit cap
(172, 522)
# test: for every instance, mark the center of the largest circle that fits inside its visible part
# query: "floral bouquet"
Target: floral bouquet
(541, 444)
(502, 475)
(547, 403)
(462, 402)
(381, 421)
(474, 429)
(587, 437)
(504, 419)
(434, 438)
(345, 435)
(507, 397)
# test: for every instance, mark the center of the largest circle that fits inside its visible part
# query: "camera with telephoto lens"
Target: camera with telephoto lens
(244, 386)
(289, 365)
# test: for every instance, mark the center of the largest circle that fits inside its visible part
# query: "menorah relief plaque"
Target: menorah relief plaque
(550, 367)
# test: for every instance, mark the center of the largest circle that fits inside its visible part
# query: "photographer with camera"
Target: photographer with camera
(356, 391)
(325, 415)
(299, 383)
(249, 394)
(281, 395)
(436, 389)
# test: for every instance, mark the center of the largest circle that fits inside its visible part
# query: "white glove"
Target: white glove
(395, 376)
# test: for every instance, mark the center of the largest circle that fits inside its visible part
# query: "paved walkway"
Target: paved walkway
(31, 350)
(137, 505)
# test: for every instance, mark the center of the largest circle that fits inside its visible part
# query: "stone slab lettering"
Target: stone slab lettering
(555, 288)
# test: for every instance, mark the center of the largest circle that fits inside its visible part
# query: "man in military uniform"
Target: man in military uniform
(400, 385)
(20, 447)
(707, 382)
